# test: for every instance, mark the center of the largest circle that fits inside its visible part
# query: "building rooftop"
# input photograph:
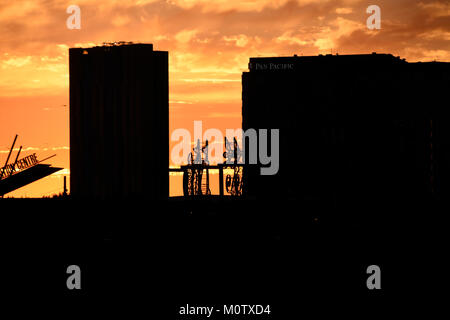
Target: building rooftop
(291, 62)
(297, 62)
(114, 45)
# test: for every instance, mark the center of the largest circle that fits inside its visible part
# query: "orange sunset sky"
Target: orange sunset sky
(209, 44)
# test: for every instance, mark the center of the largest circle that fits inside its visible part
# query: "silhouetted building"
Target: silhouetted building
(119, 121)
(355, 130)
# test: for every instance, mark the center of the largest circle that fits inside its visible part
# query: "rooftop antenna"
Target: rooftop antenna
(65, 187)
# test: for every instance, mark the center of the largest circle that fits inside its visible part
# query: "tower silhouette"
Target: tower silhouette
(119, 111)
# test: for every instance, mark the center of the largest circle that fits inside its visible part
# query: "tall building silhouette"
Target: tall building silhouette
(355, 130)
(119, 112)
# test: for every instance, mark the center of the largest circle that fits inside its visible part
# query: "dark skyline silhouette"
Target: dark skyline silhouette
(363, 142)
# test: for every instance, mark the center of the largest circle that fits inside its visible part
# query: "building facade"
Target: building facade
(355, 130)
(119, 122)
